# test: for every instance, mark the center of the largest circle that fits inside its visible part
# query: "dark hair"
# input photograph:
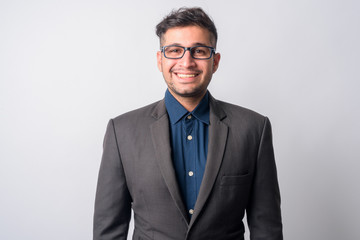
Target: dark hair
(186, 17)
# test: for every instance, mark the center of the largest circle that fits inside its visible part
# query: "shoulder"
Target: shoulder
(138, 116)
(143, 111)
(242, 121)
(238, 113)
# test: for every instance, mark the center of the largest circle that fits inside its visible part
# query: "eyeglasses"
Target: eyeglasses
(197, 52)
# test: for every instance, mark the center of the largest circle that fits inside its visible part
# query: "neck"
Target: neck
(189, 103)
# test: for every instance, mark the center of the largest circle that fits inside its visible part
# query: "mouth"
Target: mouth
(187, 75)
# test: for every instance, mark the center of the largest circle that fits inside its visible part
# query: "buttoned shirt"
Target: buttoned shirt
(189, 142)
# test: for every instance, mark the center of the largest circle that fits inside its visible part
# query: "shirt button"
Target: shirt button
(191, 173)
(189, 137)
(191, 211)
(189, 117)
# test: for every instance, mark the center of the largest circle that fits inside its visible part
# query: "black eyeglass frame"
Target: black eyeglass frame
(212, 52)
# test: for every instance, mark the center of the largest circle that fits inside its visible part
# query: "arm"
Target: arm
(113, 200)
(263, 212)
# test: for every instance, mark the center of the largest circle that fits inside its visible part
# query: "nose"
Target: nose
(187, 60)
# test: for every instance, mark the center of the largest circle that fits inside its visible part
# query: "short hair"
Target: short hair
(184, 17)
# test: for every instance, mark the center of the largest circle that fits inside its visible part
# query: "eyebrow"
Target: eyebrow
(195, 44)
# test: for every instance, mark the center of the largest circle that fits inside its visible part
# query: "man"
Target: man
(189, 165)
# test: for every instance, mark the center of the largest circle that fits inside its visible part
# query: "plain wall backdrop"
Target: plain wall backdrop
(67, 67)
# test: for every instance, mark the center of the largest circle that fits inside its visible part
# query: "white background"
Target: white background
(67, 67)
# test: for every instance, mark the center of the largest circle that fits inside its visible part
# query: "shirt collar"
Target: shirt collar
(176, 111)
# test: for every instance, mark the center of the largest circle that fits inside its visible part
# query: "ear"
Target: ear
(216, 62)
(159, 60)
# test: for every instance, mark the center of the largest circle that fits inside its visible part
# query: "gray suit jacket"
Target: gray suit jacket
(137, 172)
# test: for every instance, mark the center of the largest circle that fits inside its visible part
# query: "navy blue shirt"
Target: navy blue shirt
(189, 142)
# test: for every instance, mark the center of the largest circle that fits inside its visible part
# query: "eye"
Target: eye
(199, 51)
(173, 49)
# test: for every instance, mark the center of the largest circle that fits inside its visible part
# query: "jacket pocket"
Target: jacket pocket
(244, 179)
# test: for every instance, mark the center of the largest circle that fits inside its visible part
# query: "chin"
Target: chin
(190, 93)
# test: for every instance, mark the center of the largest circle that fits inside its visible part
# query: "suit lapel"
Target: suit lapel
(161, 140)
(218, 132)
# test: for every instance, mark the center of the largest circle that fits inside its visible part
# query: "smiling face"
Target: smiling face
(187, 78)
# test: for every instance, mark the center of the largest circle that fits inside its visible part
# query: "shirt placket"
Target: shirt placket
(190, 162)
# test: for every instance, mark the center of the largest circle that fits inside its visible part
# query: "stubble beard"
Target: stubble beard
(195, 92)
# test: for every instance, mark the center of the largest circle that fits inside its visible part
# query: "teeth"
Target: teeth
(186, 75)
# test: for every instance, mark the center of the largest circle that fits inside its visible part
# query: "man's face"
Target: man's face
(187, 77)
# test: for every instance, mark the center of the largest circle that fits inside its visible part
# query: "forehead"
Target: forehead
(187, 36)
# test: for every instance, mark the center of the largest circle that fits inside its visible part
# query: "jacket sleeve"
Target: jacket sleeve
(113, 201)
(263, 212)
